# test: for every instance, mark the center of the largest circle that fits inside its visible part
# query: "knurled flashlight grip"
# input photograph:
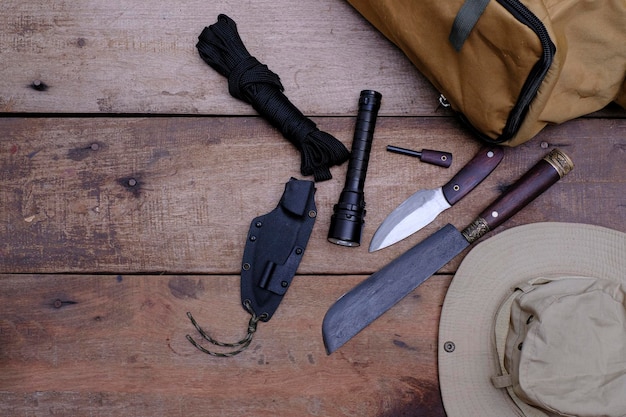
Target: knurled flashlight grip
(347, 222)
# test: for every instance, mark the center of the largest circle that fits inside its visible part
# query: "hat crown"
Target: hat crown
(566, 346)
(488, 277)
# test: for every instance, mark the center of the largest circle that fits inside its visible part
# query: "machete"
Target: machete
(425, 205)
(360, 306)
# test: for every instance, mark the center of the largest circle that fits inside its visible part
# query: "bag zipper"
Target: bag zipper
(536, 76)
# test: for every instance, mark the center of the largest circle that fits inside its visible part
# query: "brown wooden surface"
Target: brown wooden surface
(140, 56)
(96, 274)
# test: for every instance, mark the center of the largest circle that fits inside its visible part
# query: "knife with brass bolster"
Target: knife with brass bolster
(360, 306)
(425, 205)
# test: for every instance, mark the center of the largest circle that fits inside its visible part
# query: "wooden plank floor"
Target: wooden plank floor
(96, 275)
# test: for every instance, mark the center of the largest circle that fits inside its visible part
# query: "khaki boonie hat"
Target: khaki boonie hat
(534, 325)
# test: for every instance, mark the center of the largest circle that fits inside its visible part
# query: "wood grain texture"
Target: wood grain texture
(140, 57)
(68, 204)
(127, 190)
(115, 346)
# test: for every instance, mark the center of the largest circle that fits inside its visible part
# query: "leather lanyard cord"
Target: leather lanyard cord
(221, 47)
(239, 346)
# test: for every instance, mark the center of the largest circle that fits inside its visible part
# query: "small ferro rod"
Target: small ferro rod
(429, 156)
(403, 151)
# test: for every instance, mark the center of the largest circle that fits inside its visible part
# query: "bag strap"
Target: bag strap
(465, 21)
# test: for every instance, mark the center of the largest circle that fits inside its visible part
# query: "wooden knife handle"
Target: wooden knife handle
(476, 170)
(538, 179)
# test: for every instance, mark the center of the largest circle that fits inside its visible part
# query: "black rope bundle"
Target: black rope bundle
(221, 47)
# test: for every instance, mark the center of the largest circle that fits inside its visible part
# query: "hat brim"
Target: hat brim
(485, 278)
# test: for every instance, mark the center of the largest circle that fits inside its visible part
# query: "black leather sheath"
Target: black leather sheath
(275, 245)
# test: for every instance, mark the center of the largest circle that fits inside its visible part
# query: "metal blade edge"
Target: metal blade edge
(410, 216)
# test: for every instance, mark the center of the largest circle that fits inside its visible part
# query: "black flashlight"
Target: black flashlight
(347, 222)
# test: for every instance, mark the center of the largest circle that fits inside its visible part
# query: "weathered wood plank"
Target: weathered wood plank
(115, 346)
(140, 57)
(66, 203)
(108, 340)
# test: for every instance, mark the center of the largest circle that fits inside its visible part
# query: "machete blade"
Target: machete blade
(351, 313)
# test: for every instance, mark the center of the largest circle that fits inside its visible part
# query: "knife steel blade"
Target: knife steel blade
(363, 304)
(425, 205)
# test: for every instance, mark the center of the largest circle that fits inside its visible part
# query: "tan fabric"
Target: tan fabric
(566, 346)
(574, 277)
(484, 78)
(503, 379)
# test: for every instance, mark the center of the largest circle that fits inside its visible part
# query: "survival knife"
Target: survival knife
(425, 205)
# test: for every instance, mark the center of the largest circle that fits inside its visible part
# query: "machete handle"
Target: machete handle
(538, 179)
(472, 174)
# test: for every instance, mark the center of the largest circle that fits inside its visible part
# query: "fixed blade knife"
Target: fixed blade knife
(425, 205)
(363, 304)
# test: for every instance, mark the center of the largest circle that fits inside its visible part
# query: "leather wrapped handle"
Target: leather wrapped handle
(538, 179)
(473, 173)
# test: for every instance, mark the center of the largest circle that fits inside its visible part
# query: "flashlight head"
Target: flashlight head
(346, 223)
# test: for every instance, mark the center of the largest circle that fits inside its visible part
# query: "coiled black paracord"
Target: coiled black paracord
(221, 47)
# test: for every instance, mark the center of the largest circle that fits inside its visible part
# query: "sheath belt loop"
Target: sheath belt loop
(274, 247)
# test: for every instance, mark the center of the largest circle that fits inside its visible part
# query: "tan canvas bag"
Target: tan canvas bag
(509, 67)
